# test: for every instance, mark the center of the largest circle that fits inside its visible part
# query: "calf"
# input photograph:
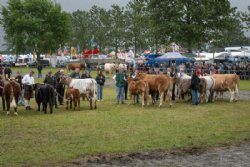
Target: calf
(45, 94)
(73, 95)
(138, 88)
(11, 91)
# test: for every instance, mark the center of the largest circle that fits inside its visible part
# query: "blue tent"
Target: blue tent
(169, 57)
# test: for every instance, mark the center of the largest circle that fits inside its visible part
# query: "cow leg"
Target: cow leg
(161, 98)
(67, 104)
(70, 104)
(75, 104)
(51, 107)
(90, 103)
(38, 104)
(95, 103)
(169, 95)
(45, 108)
(143, 99)
(231, 95)
(3, 102)
(78, 101)
(8, 106)
(16, 112)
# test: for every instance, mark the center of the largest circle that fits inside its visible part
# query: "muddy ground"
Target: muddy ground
(226, 156)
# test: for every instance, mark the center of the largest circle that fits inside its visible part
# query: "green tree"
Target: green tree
(194, 22)
(35, 25)
(137, 24)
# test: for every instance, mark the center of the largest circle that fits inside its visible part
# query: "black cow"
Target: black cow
(45, 94)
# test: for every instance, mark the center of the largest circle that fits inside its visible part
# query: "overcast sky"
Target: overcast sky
(73, 5)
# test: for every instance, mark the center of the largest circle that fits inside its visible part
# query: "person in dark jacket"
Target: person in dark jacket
(51, 80)
(85, 75)
(100, 79)
(39, 69)
(60, 88)
(7, 72)
(195, 82)
(120, 81)
(125, 85)
(76, 74)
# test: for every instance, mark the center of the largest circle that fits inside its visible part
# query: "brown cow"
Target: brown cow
(227, 82)
(150, 79)
(11, 92)
(73, 95)
(73, 66)
(159, 84)
(164, 85)
(139, 87)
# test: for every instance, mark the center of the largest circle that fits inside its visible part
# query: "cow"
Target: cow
(160, 84)
(45, 95)
(182, 87)
(227, 82)
(138, 87)
(11, 91)
(72, 95)
(206, 90)
(73, 66)
(87, 87)
(109, 68)
(150, 79)
(164, 85)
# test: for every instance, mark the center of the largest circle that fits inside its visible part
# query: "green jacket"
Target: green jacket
(120, 79)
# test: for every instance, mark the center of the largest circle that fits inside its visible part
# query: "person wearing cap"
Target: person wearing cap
(59, 86)
(28, 81)
(195, 82)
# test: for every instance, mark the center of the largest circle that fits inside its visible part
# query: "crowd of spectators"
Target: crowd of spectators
(241, 69)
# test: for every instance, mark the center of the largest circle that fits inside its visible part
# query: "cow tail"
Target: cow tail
(12, 99)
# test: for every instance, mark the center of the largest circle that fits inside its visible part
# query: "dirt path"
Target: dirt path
(232, 156)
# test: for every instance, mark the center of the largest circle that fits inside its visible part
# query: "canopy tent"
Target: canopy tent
(170, 57)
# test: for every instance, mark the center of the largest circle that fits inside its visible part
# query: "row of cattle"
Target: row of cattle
(108, 67)
(162, 86)
(45, 94)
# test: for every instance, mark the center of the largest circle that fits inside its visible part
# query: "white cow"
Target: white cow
(87, 87)
(109, 68)
(210, 84)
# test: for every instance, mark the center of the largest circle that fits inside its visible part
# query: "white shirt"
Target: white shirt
(28, 80)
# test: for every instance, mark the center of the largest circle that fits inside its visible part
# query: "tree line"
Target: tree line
(41, 26)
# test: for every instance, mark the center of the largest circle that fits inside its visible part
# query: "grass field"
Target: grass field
(245, 85)
(35, 139)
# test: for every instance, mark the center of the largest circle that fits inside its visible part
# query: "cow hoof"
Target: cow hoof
(16, 113)
(8, 113)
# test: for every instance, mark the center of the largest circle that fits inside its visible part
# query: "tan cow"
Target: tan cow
(227, 82)
(73, 66)
(109, 68)
(139, 87)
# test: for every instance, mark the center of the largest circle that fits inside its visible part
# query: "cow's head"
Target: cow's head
(65, 80)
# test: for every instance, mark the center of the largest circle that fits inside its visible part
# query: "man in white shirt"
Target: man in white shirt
(28, 81)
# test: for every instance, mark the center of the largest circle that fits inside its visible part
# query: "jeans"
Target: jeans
(99, 92)
(195, 99)
(40, 75)
(120, 94)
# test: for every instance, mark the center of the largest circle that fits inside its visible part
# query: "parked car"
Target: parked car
(61, 64)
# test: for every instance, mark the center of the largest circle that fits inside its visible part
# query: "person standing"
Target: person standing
(195, 82)
(50, 80)
(19, 78)
(85, 74)
(120, 82)
(28, 81)
(1, 91)
(39, 69)
(76, 74)
(7, 72)
(60, 88)
(125, 85)
(100, 79)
